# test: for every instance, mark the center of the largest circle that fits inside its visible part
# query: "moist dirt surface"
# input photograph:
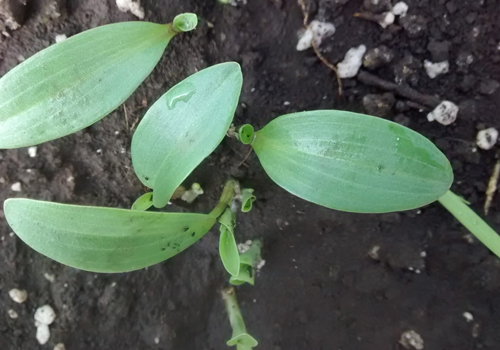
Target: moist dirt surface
(319, 288)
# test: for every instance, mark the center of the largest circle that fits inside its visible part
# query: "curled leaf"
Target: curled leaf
(73, 84)
(352, 162)
(183, 127)
(247, 199)
(246, 134)
(103, 239)
(185, 22)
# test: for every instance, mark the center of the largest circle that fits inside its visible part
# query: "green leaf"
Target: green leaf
(247, 199)
(246, 274)
(144, 202)
(73, 84)
(352, 162)
(246, 134)
(478, 227)
(103, 239)
(228, 249)
(183, 127)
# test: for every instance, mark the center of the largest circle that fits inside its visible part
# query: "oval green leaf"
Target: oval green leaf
(144, 202)
(183, 127)
(103, 239)
(73, 84)
(352, 162)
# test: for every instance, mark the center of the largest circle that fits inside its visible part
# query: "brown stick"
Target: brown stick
(401, 90)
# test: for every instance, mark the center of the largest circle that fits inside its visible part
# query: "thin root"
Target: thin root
(246, 157)
(492, 187)
(315, 47)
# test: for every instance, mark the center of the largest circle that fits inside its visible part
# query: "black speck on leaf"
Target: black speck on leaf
(185, 229)
(163, 249)
(193, 234)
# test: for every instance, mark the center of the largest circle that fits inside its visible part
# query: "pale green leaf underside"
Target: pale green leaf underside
(352, 162)
(73, 84)
(103, 239)
(183, 127)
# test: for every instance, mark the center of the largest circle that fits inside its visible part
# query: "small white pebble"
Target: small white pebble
(122, 150)
(45, 315)
(49, 277)
(133, 6)
(70, 179)
(435, 69)
(21, 58)
(42, 334)
(468, 316)
(423, 254)
(113, 284)
(243, 247)
(11, 234)
(2, 180)
(117, 132)
(99, 151)
(353, 60)
(317, 30)
(261, 264)
(487, 138)
(32, 151)
(59, 346)
(254, 301)
(253, 90)
(65, 285)
(157, 340)
(60, 38)
(19, 296)
(411, 339)
(286, 103)
(388, 19)
(400, 9)
(16, 187)
(12, 314)
(445, 113)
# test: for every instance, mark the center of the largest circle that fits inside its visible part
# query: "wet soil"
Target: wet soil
(319, 288)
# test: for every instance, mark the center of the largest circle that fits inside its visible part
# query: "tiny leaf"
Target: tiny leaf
(246, 134)
(185, 22)
(183, 127)
(246, 275)
(247, 199)
(352, 162)
(73, 84)
(103, 239)
(144, 202)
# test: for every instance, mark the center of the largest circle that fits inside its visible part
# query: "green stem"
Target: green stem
(477, 226)
(225, 199)
(240, 335)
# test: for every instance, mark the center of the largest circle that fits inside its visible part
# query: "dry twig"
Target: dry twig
(492, 187)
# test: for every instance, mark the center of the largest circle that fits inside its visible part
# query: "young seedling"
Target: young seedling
(337, 159)
(73, 84)
(240, 337)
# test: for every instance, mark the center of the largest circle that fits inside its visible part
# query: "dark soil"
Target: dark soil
(319, 289)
